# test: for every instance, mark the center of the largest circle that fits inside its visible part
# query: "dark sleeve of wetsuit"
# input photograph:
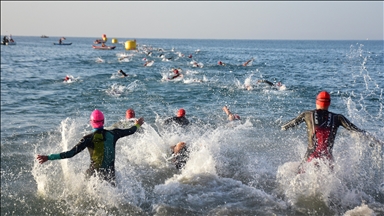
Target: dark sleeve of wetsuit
(124, 73)
(177, 75)
(268, 82)
(294, 122)
(124, 132)
(74, 151)
(348, 125)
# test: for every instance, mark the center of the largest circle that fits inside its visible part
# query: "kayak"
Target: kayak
(103, 48)
(62, 43)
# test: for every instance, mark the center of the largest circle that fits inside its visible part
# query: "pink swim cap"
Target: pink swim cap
(97, 119)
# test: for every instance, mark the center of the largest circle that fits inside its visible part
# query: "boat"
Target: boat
(62, 43)
(103, 48)
(44, 36)
(10, 43)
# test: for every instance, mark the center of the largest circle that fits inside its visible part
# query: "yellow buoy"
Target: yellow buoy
(130, 45)
(114, 40)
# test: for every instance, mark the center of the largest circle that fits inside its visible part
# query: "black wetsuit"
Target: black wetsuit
(268, 82)
(180, 159)
(177, 75)
(101, 145)
(322, 127)
(182, 121)
(124, 74)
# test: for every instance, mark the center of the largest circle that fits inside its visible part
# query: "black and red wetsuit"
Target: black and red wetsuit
(322, 126)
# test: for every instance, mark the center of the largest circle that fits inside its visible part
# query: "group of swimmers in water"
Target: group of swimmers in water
(322, 127)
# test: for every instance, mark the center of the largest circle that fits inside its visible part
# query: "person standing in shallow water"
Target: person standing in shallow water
(101, 145)
(322, 127)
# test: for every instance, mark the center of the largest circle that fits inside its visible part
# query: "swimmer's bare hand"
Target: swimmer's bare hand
(42, 158)
(140, 121)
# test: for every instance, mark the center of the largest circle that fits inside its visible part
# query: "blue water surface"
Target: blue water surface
(236, 169)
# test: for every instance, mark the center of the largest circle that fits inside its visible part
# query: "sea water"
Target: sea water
(248, 167)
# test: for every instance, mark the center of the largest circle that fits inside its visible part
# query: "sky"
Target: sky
(255, 20)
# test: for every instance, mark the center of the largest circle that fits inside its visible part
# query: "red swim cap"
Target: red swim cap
(130, 113)
(323, 99)
(97, 119)
(181, 112)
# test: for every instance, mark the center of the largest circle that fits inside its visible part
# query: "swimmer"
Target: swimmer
(122, 72)
(265, 81)
(322, 127)
(128, 122)
(247, 62)
(179, 119)
(177, 74)
(68, 78)
(230, 115)
(102, 162)
(179, 155)
(148, 63)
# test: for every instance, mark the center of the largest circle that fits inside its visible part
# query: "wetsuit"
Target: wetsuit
(122, 72)
(182, 121)
(180, 159)
(177, 75)
(268, 82)
(124, 124)
(322, 126)
(101, 145)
